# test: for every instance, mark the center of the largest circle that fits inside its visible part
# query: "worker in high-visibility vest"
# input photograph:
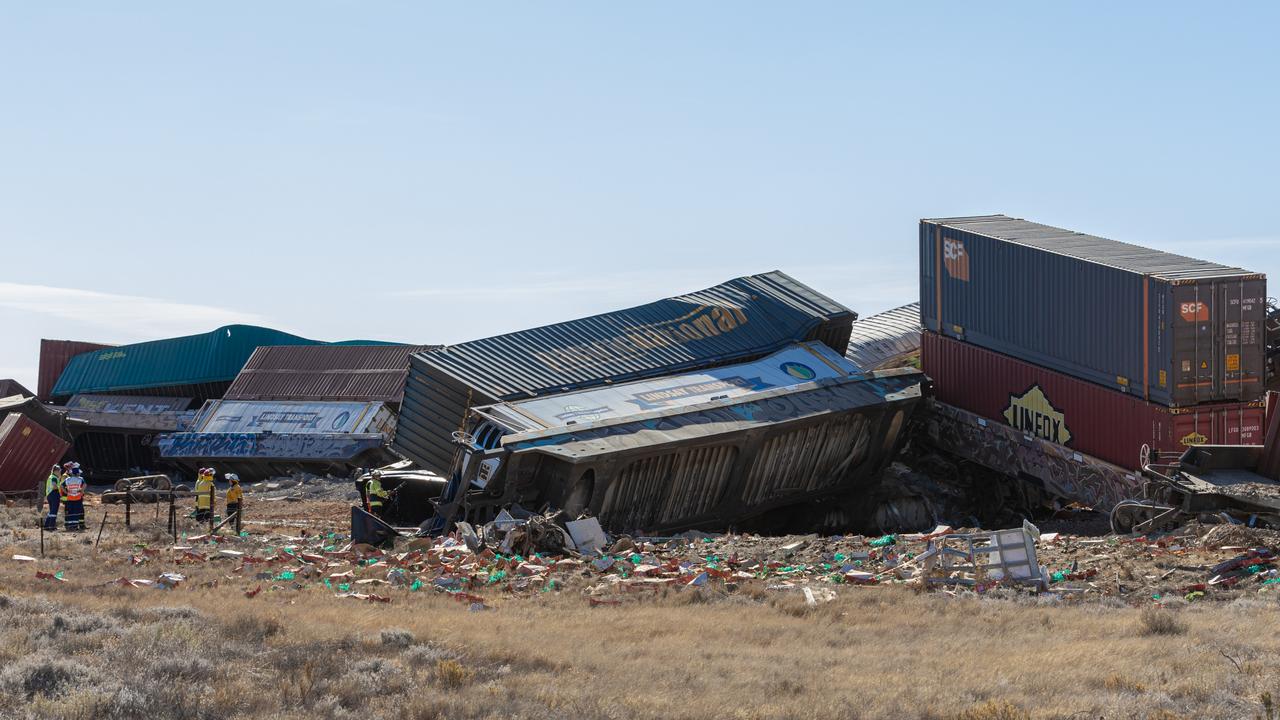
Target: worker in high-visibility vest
(235, 497)
(74, 484)
(376, 495)
(53, 495)
(204, 494)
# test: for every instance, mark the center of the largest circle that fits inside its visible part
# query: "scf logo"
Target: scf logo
(1194, 311)
(956, 259)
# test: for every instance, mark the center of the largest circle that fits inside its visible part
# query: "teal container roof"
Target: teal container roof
(211, 357)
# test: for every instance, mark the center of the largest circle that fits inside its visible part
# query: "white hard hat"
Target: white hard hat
(232, 476)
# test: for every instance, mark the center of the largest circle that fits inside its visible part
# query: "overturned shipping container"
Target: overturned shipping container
(1161, 327)
(112, 435)
(326, 372)
(266, 439)
(737, 320)
(705, 449)
(886, 340)
(27, 452)
(1080, 415)
(200, 366)
(55, 355)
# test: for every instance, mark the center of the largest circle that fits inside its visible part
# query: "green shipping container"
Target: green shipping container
(196, 365)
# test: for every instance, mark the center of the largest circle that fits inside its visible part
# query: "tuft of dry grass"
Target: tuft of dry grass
(993, 710)
(451, 674)
(1155, 621)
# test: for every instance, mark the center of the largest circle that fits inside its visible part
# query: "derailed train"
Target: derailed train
(707, 449)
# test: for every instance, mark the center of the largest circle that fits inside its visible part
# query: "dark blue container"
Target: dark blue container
(1167, 328)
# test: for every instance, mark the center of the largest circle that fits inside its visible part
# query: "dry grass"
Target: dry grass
(1155, 621)
(204, 650)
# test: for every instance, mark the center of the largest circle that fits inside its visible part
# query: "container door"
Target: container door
(1193, 344)
(1243, 325)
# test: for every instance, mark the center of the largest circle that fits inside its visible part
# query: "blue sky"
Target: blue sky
(433, 173)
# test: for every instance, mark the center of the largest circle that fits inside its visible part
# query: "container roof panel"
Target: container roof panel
(325, 372)
(885, 338)
(1124, 256)
(745, 316)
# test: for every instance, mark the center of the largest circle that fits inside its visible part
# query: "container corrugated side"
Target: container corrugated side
(1170, 329)
(742, 319)
(27, 451)
(1091, 419)
(885, 339)
(54, 356)
(159, 366)
(1270, 465)
(325, 372)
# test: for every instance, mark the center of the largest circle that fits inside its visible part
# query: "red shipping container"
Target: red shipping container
(1270, 465)
(54, 356)
(27, 451)
(1089, 418)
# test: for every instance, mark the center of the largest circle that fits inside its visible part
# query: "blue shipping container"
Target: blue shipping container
(1171, 329)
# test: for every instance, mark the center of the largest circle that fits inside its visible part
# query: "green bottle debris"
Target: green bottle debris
(415, 585)
(344, 587)
(884, 541)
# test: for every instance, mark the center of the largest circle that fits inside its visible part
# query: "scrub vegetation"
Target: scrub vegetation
(88, 648)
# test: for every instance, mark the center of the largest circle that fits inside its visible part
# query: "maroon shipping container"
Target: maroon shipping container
(325, 372)
(1270, 465)
(27, 451)
(1091, 419)
(54, 356)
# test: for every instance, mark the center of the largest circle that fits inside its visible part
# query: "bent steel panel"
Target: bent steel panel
(720, 462)
(1068, 474)
(737, 320)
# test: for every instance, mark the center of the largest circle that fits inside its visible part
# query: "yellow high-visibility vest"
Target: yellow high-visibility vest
(204, 492)
(375, 492)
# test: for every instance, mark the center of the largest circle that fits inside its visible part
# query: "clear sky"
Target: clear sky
(434, 173)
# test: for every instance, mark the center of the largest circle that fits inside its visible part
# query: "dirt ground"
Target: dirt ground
(291, 621)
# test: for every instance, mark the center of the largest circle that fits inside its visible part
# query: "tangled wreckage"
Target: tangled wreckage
(708, 449)
(755, 404)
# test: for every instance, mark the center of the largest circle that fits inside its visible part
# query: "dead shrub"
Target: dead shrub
(1155, 621)
(184, 669)
(396, 637)
(37, 676)
(452, 674)
(253, 629)
(427, 655)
